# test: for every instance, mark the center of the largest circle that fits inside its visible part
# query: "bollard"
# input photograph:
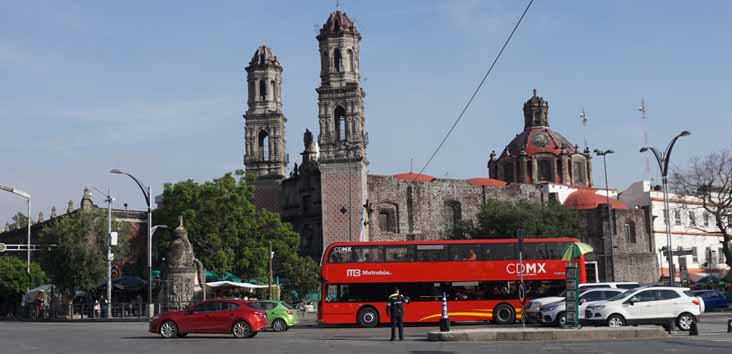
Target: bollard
(444, 321)
(729, 326)
(693, 330)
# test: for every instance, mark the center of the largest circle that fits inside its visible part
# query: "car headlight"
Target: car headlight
(549, 308)
(596, 307)
(533, 305)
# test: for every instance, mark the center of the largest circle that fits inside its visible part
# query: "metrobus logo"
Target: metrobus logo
(359, 272)
(526, 268)
(353, 272)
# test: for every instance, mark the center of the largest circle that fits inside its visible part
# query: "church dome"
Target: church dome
(589, 199)
(263, 56)
(536, 140)
(338, 23)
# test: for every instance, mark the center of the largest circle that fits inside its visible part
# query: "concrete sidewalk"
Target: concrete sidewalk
(546, 334)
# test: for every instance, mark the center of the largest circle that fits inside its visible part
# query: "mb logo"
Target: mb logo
(353, 272)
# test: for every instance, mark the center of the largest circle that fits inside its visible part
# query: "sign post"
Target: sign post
(520, 233)
(572, 299)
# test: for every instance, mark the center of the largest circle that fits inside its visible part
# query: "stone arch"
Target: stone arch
(388, 216)
(263, 89)
(337, 60)
(339, 115)
(452, 214)
(263, 140)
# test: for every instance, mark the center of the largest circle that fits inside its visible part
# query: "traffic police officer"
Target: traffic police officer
(395, 310)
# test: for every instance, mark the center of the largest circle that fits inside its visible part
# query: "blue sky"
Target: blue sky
(157, 87)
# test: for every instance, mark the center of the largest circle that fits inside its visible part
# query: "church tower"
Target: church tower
(343, 138)
(265, 144)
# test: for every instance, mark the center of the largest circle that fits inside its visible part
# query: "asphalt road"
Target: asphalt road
(111, 337)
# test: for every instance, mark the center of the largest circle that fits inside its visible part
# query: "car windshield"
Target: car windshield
(287, 306)
(619, 295)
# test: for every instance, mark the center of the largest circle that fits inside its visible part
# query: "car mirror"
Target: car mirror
(630, 302)
(582, 301)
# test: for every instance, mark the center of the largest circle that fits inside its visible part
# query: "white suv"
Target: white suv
(533, 308)
(554, 313)
(650, 305)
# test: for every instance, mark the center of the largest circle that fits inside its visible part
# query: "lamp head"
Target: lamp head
(116, 171)
(609, 151)
(644, 149)
(685, 133)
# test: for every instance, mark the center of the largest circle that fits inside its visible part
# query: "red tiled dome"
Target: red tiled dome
(416, 177)
(589, 199)
(487, 182)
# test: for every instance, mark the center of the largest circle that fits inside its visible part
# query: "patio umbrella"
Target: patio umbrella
(574, 250)
(230, 277)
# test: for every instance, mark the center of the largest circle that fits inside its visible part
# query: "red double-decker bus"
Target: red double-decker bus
(479, 277)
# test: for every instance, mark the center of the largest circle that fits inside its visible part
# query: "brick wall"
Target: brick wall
(335, 192)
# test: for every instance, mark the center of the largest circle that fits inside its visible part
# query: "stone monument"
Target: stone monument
(178, 289)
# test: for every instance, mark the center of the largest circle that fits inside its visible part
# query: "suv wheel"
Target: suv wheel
(684, 321)
(615, 321)
(368, 317)
(561, 319)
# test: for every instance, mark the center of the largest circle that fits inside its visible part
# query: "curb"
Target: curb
(538, 334)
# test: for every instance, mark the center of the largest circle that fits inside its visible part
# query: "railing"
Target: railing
(86, 311)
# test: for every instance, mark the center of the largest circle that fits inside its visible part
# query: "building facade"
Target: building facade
(692, 230)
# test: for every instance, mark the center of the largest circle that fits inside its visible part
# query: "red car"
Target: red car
(212, 316)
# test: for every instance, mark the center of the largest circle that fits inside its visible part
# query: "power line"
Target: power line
(475, 93)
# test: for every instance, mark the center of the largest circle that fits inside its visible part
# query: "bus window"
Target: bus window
(399, 253)
(431, 253)
(554, 249)
(368, 254)
(463, 252)
(498, 252)
(340, 255)
(534, 251)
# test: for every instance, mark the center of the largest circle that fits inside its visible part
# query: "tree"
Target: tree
(501, 219)
(78, 259)
(14, 281)
(709, 180)
(228, 233)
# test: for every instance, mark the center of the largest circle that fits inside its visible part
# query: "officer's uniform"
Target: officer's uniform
(395, 310)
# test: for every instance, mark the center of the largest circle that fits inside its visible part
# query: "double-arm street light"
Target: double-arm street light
(610, 275)
(27, 196)
(663, 162)
(148, 199)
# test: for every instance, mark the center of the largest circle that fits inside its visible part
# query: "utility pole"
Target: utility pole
(271, 255)
(110, 256)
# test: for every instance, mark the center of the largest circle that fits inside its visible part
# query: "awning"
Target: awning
(226, 283)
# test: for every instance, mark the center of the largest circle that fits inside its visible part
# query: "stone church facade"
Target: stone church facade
(329, 195)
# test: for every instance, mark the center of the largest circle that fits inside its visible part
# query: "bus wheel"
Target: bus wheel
(368, 317)
(504, 314)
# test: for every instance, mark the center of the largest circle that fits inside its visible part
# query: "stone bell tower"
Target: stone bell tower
(343, 137)
(265, 143)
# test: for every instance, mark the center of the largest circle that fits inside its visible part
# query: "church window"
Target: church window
(261, 59)
(508, 173)
(630, 236)
(452, 214)
(337, 60)
(387, 222)
(263, 89)
(274, 90)
(351, 66)
(578, 172)
(545, 171)
(263, 146)
(340, 118)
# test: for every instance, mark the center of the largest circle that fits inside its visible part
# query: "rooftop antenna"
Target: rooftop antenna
(583, 117)
(644, 123)
(411, 165)
(338, 5)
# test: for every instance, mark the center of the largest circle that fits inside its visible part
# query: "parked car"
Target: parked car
(649, 305)
(307, 306)
(713, 299)
(533, 308)
(280, 316)
(554, 313)
(212, 316)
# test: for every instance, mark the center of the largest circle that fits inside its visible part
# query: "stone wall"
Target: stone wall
(409, 210)
(632, 246)
(267, 193)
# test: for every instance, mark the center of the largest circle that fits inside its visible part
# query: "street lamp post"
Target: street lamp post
(148, 195)
(27, 196)
(663, 162)
(609, 269)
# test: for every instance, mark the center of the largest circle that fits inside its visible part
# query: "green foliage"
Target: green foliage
(78, 259)
(14, 281)
(228, 233)
(501, 219)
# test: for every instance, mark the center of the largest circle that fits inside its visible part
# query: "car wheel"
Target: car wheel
(561, 319)
(504, 314)
(279, 325)
(241, 329)
(684, 321)
(615, 321)
(168, 329)
(368, 317)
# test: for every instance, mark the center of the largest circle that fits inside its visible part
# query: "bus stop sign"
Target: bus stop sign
(572, 299)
